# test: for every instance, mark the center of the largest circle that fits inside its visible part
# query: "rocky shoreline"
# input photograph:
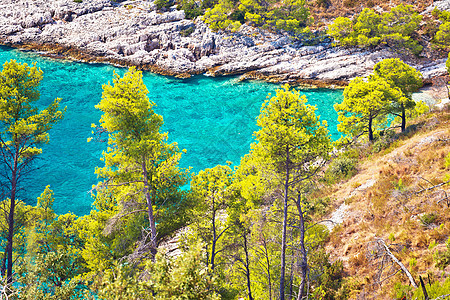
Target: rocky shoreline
(132, 33)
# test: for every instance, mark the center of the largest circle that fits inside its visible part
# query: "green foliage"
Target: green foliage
(78, 1)
(447, 161)
(22, 124)
(23, 130)
(399, 75)
(367, 102)
(444, 15)
(401, 291)
(432, 244)
(428, 219)
(434, 290)
(185, 277)
(318, 206)
(419, 109)
(442, 258)
(405, 78)
(101, 247)
(342, 31)
(329, 281)
(163, 4)
(141, 168)
(287, 122)
(191, 10)
(365, 106)
(218, 17)
(119, 282)
(447, 63)
(290, 15)
(366, 28)
(402, 19)
(52, 260)
(395, 29)
(442, 37)
(383, 140)
(342, 167)
(209, 189)
(293, 141)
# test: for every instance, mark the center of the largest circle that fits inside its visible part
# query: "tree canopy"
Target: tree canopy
(403, 77)
(141, 168)
(295, 142)
(365, 105)
(23, 129)
(396, 29)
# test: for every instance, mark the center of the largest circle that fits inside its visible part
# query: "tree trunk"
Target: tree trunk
(291, 279)
(370, 129)
(269, 279)
(424, 290)
(3, 269)
(304, 263)
(213, 246)
(402, 266)
(283, 237)
(151, 218)
(247, 267)
(403, 118)
(9, 247)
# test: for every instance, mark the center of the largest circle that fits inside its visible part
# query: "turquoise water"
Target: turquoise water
(212, 118)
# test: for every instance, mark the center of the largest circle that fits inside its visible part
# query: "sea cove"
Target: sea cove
(212, 118)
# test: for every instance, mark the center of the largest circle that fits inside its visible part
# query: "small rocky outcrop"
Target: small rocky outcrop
(133, 33)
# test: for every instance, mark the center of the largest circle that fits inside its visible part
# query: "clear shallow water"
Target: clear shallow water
(212, 118)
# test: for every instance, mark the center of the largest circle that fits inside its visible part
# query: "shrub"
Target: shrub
(318, 206)
(383, 140)
(342, 167)
(330, 281)
(442, 37)
(395, 28)
(163, 4)
(442, 258)
(401, 291)
(434, 290)
(217, 17)
(428, 219)
(78, 1)
(191, 9)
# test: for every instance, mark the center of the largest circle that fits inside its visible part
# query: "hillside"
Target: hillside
(399, 195)
(298, 216)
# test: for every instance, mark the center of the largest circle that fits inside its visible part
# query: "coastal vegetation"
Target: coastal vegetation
(368, 102)
(290, 15)
(396, 29)
(401, 28)
(255, 231)
(301, 216)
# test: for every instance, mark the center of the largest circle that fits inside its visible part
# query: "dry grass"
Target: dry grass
(392, 208)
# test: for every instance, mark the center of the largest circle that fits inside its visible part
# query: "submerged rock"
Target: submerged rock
(133, 33)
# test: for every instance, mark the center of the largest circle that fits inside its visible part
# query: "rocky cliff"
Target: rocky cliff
(133, 33)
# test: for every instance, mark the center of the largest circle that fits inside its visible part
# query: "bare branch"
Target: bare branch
(379, 250)
(430, 188)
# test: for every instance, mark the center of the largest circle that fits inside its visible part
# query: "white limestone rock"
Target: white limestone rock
(134, 33)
